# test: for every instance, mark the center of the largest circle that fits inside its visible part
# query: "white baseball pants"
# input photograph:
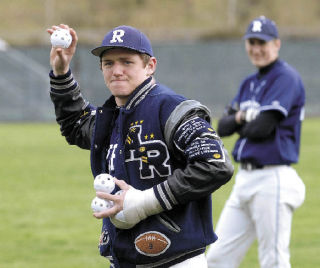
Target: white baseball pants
(260, 207)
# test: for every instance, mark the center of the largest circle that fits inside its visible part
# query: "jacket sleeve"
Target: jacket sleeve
(74, 114)
(227, 124)
(206, 165)
(263, 127)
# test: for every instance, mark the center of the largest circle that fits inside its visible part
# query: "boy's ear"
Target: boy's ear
(152, 65)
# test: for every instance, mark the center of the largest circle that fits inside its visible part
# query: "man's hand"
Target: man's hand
(117, 199)
(246, 116)
(251, 114)
(60, 58)
(130, 205)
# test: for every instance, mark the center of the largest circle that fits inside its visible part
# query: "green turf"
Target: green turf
(45, 195)
(46, 190)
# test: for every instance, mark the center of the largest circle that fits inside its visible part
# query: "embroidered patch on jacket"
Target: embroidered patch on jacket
(151, 154)
(104, 238)
(199, 141)
(152, 243)
(205, 149)
(190, 130)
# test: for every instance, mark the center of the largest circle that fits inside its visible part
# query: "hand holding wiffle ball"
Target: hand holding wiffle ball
(106, 183)
(125, 208)
(102, 183)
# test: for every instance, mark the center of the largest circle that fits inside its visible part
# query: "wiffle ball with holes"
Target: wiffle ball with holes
(61, 38)
(102, 183)
(99, 204)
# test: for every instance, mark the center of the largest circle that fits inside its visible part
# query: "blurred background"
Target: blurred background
(46, 185)
(198, 45)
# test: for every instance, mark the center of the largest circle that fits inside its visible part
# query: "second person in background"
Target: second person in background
(266, 114)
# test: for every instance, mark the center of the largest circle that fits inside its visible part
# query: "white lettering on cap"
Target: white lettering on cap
(117, 34)
(256, 27)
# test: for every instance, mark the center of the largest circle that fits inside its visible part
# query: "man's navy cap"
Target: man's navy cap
(262, 28)
(125, 37)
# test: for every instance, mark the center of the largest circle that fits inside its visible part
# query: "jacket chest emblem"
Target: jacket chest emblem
(151, 154)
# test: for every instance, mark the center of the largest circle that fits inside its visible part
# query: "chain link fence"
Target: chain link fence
(206, 71)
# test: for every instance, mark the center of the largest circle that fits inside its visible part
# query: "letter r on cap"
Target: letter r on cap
(256, 27)
(117, 34)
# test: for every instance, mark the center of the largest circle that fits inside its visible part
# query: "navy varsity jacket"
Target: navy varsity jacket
(158, 140)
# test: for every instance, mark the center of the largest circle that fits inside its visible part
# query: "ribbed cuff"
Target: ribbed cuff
(165, 196)
(62, 83)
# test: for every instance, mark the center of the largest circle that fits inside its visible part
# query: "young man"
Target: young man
(160, 146)
(267, 114)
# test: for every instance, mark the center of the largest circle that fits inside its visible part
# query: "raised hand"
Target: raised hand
(60, 58)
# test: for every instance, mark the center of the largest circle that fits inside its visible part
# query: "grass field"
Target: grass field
(46, 190)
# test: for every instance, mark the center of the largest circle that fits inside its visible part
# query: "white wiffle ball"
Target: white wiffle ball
(61, 38)
(104, 183)
(99, 204)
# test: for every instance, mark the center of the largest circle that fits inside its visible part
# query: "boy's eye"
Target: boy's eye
(256, 41)
(107, 63)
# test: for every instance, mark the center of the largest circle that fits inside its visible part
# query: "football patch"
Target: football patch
(152, 243)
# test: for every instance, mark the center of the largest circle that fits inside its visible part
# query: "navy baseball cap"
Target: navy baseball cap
(262, 28)
(124, 37)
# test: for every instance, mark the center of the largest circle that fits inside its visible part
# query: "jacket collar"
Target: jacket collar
(140, 93)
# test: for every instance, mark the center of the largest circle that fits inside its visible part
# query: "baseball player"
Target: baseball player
(160, 147)
(266, 113)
